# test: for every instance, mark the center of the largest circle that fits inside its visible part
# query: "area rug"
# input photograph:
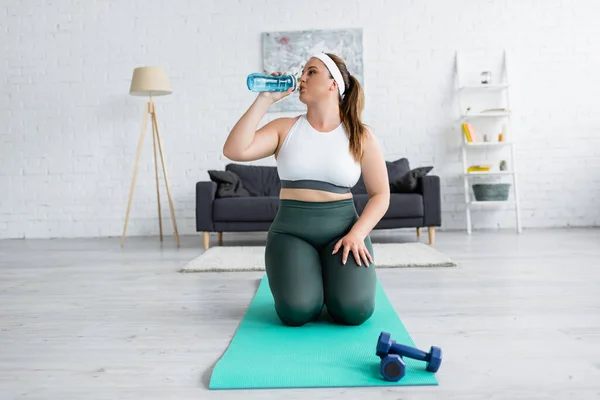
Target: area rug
(251, 258)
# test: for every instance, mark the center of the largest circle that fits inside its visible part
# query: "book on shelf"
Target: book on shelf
(469, 132)
(479, 168)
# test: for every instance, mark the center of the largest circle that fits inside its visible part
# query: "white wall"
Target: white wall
(69, 130)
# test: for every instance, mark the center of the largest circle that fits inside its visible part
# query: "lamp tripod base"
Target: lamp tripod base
(150, 112)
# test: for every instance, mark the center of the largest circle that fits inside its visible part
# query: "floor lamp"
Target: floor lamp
(151, 81)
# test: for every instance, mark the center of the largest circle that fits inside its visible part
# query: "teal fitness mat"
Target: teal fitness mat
(264, 353)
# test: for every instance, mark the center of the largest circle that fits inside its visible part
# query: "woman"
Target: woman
(318, 250)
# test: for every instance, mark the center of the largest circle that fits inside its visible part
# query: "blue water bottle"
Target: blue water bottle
(268, 83)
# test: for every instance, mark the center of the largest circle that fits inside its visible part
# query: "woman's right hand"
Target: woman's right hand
(276, 96)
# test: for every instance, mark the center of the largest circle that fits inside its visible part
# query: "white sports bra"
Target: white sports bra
(310, 159)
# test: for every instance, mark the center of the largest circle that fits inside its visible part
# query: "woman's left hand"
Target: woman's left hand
(352, 242)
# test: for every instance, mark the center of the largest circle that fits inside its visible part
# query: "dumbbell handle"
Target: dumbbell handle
(410, 352)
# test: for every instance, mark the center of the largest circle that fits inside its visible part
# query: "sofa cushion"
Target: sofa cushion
(258, 180)
(245, 209)
(395, 169)
(402, 205)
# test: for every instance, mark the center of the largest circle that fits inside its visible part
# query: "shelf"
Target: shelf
(483, 86)
(491, 203)
(471, 109)
(494, 173)
(487, 144)
(486, 114)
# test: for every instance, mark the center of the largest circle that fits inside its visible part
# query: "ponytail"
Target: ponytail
(351, 108)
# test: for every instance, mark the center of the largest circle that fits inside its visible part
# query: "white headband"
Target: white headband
(334, 70)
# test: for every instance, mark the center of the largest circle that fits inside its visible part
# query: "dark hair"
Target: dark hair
(351, 108)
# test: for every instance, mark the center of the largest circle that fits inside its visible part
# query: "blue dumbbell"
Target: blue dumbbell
(386, 346)
(392, 367)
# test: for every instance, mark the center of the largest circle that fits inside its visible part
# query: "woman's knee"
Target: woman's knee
(293, 267)
(298, 311)
(349, 288)
(350, 312)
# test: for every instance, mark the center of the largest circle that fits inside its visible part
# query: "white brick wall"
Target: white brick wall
(69, 130)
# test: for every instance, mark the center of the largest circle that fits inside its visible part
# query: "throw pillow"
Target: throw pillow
(259, 180)
(408, 182)
(395, 169)
(228, 184)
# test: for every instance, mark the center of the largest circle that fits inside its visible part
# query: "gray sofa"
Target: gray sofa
(244, 198)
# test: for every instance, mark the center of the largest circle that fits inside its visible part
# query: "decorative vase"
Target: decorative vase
(486, 77)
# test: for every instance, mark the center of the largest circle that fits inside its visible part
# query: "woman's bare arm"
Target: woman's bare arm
(245, 142)
(375, 176)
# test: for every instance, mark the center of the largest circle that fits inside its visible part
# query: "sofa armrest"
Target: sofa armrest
(429, 187)
(205, 196)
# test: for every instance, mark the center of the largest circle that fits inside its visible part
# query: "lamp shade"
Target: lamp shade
(150, 81)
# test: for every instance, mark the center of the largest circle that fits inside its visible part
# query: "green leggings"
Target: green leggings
(303, 274)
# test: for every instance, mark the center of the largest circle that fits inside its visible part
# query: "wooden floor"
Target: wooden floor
(86, 319)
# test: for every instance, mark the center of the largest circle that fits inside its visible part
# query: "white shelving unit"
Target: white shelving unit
(491, 146)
